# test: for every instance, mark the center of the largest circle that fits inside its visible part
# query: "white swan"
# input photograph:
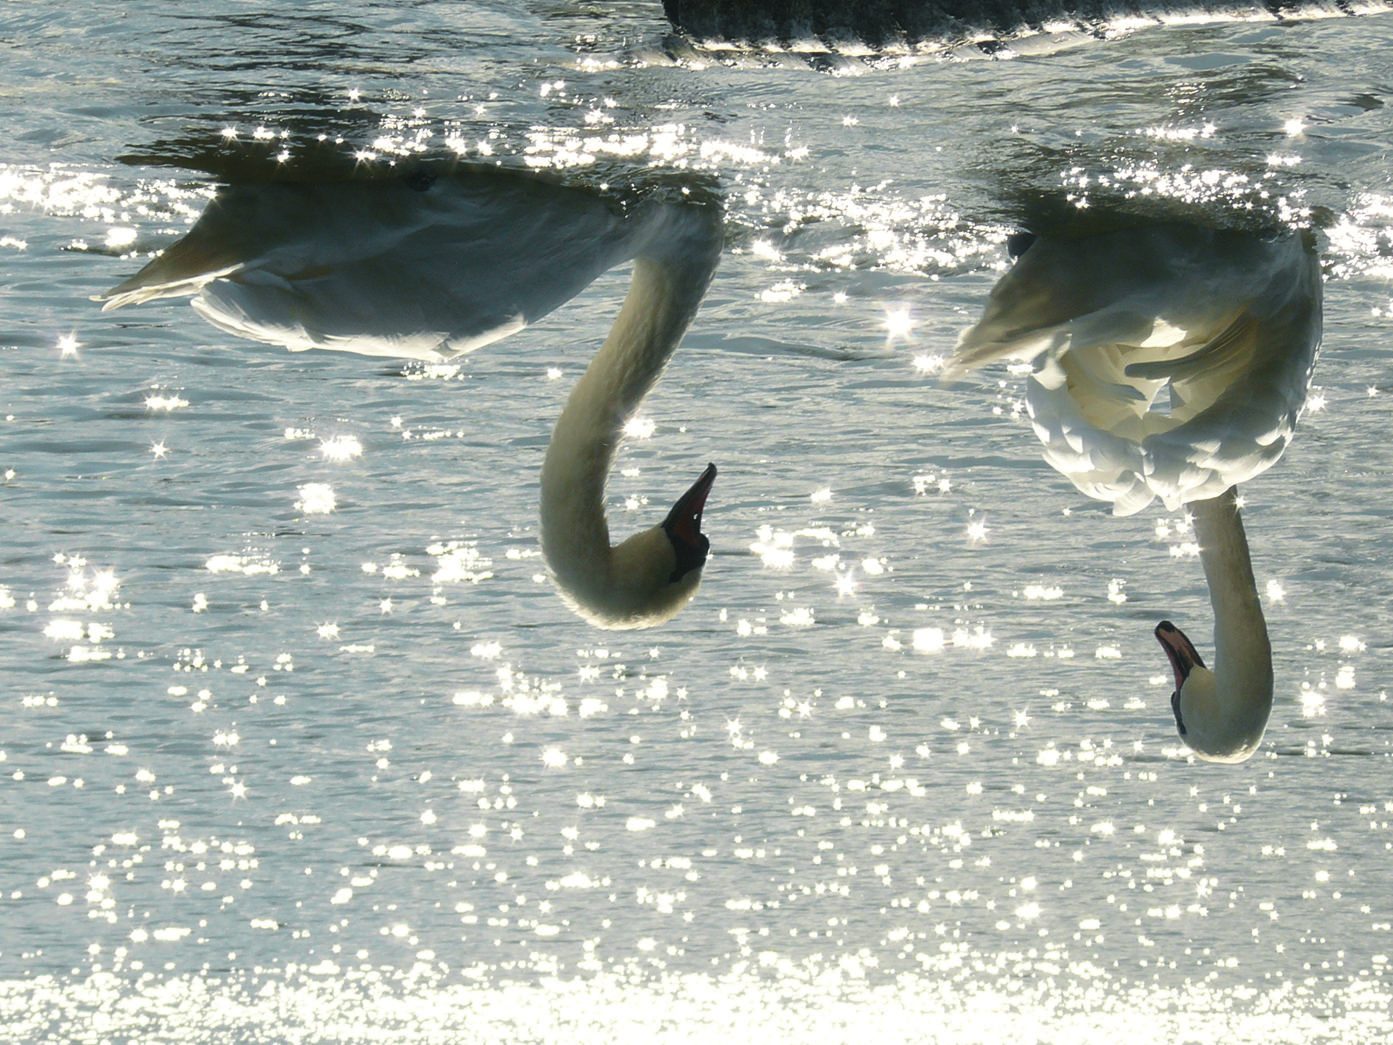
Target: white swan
(429, 267)
(1171, 361)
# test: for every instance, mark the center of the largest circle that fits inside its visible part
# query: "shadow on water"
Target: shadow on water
(988, 25)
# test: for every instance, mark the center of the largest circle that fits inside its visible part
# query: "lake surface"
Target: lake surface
(300, 745)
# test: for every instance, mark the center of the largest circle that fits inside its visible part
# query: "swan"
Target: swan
(1170, 361)
(429, 266)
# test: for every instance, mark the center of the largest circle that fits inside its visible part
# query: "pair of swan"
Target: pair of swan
(1171, 361)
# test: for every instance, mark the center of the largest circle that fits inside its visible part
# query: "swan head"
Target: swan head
(1220, 721)
(648, 578)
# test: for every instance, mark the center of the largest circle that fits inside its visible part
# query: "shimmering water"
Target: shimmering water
(300, 745)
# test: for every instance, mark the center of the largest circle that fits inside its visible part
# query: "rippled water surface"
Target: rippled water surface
(299, 743)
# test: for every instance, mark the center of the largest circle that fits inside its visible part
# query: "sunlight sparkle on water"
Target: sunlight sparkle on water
(774, 548)
(459, 561)
(249, 564)
(162, 402)
(640, 428)
(941, 483)
(899, 324)
(553, 758)
(782, 291)
(929, 363)
(316, 499)
(1173, 132)
(120, 238)
(765, 250)
(929, 640)
(340, 448)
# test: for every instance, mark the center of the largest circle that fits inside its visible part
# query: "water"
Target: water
(300, 745)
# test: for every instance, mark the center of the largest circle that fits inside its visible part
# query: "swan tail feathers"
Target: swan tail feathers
(987, 343)
(176, 277)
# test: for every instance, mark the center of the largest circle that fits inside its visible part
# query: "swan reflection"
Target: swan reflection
(1170, 361)
(428, 267)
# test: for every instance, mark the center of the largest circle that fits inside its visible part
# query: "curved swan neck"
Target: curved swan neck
(671, 271)
(1226, 712)
(657, 310)
(662, 299)
(1242, 651)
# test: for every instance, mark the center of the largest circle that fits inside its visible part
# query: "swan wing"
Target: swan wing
(417, 267)
(1068, 292)
(1169, 362)
(1216, 364)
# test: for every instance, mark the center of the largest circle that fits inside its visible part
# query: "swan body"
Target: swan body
(1172, 362)
(417, 267)
(429, 267)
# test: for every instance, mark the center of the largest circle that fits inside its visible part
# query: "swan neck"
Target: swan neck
(1242, 651)
(666, 288)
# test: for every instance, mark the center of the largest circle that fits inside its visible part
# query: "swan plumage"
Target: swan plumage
(428, 267)
(419, 266)
(1170, 361)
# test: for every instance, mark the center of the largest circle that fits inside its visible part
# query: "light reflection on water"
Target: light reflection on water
(958, 1002)
(905, 767)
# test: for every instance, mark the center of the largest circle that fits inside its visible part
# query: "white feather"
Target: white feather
(1170, 361)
